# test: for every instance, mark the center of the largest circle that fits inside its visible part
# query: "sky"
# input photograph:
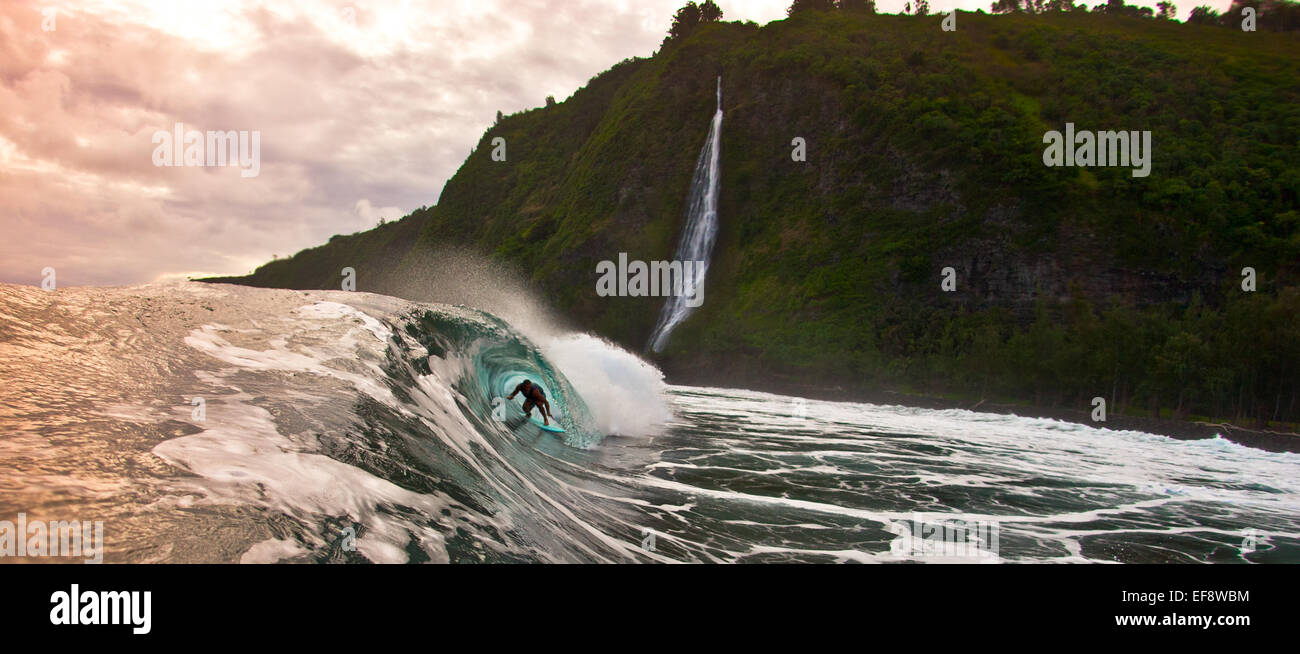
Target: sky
(363, 110)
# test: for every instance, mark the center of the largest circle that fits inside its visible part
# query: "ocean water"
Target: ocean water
(215, 423)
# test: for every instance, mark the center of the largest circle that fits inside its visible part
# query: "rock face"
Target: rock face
(923, 152)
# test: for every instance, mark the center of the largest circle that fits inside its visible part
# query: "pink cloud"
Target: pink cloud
(379, 103)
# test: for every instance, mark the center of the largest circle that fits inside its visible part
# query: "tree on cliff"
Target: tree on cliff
(690, 16)
(860, 6)
(1203, 16)
(1013, 6)
(710, 12)
(810, 5)
(1036, 6)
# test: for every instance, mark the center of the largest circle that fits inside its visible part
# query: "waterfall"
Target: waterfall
(700, 231)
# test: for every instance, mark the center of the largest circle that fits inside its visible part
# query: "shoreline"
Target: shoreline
(1183, 430)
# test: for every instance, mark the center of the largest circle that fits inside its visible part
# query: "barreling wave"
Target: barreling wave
(364, 424)
(483, 359)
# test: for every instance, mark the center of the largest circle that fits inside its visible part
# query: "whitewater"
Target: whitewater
(218, 423)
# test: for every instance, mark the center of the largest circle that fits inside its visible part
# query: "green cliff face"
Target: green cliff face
(924, 151)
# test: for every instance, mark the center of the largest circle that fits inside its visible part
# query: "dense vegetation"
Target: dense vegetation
(924, 152)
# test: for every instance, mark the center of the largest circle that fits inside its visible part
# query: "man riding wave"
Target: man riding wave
(533, 397)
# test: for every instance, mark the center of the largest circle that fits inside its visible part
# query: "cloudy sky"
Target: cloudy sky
(364, 108)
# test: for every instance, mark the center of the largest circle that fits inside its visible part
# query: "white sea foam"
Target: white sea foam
(624, 393)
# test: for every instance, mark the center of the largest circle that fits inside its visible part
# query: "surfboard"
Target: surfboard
(554, 427)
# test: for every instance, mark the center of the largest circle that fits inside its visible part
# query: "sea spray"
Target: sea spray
(624, 394)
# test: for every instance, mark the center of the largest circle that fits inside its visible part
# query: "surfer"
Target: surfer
(533, 397)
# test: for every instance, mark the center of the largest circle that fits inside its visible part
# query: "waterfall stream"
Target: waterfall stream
(699, 233)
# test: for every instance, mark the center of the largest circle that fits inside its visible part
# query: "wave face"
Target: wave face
(209, 423)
